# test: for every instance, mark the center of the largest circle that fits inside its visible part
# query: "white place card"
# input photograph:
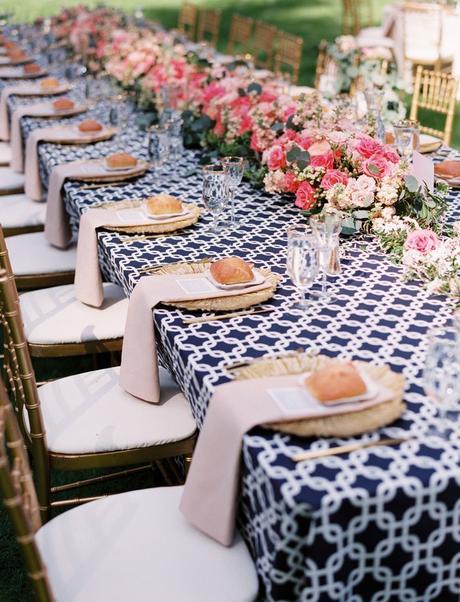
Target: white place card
(292, 400)
(196, 286)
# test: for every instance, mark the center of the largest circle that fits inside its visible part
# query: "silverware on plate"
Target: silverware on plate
(346, 449)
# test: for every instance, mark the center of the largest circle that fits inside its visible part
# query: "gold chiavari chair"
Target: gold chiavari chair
(87, 421)
(58, 325)
(322, 62)
(356, 15)
(423, 37)
(288, 56)
(208, 26)
(263, 44)
(239, 39)
(187, 22)
(129, 546)
(436, 92)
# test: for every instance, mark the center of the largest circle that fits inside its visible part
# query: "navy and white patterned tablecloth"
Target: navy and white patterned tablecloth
(381, 524)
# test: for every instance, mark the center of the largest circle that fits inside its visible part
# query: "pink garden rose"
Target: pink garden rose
(290, 183)
(326, 161)
(422, 241)
(368, 146)
(376, 167)
(305, 197)
(333, 177)
(275, 158)
(362, 191)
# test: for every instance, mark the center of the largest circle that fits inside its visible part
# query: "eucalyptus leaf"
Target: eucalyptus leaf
(361, 214)
(254, 87)
(412, 183)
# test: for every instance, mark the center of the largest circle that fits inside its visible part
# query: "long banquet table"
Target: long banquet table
(379, 524)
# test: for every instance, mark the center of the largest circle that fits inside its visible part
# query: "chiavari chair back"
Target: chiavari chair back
(436, 92)
(20, 497)
(208, 26)
(239, 39)
(356, 15)
(187, 22)
(263, 44)
(423, 36)
(288, 56)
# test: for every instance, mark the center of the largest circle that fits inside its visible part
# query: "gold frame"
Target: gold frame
(288, 54)
(352, 16)
(187, 21)
(437, 92)
(209, 25)
(240, 35)
(23, 388)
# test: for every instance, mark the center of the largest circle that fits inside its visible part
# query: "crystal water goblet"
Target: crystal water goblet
(406, 138)
(215, 193)
(234, 168)
(326, 227)
(301, 263)
(442, 376)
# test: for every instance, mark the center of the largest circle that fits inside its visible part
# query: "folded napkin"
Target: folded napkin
(40, 109)
(5, 94)
(88, 280)
(139, 365)
(57, 228)
(209, 500)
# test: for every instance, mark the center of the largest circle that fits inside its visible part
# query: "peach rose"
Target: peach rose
(305, 196)
(333, 177)
(422, 241)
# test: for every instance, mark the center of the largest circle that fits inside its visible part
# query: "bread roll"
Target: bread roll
(31, 69)
(90, 125)
(448, 169)
(162, 204)
(337, 381)
(231, 270)
(121, 161)
(17, 55)
(63, 104)
(49, 83)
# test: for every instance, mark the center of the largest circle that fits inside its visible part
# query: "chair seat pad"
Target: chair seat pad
(17, 211)
(137, 546)
(10, 180)
(31, 254)
(5, 153)
(90, 412)
(54, 316)
(426, 55)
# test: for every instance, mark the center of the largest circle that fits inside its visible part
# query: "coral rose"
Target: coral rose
(368, 146)
(333, 177)
(276, 158)
(305, 196)
(422, 241)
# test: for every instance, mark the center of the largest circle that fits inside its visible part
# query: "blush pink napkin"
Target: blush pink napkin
(209, 500)
(139, 364)
(5, 94)
(88, 280)
(57, 228)
(41, 109)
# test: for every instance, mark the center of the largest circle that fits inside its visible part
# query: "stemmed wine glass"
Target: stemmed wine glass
(215, 193)
(326, 227)
(442, 375)
(407, 136)
(234, 168)
(302, 262)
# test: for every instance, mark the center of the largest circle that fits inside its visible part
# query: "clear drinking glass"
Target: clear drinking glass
(326, 227)
(158, 145)
(174, 125)
(234, 168)
(215, 193)
(301, 263)
(442, 376)
(407, 136)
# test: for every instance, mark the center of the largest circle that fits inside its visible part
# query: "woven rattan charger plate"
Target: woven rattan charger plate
(151, 227)
(39, 92)
(11, 75)
(62, 114)
(114, 176)
(343, 425)
(229, 303)
(86, 137)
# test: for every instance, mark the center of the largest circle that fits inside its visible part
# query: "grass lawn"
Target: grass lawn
(313, 20)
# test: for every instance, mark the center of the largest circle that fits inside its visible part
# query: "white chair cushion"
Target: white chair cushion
(54, 315)
(90, 412)
(137, 546)
(17, 211)
(425, 55)
(31, 254)
(10, 180)
(5, 153)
